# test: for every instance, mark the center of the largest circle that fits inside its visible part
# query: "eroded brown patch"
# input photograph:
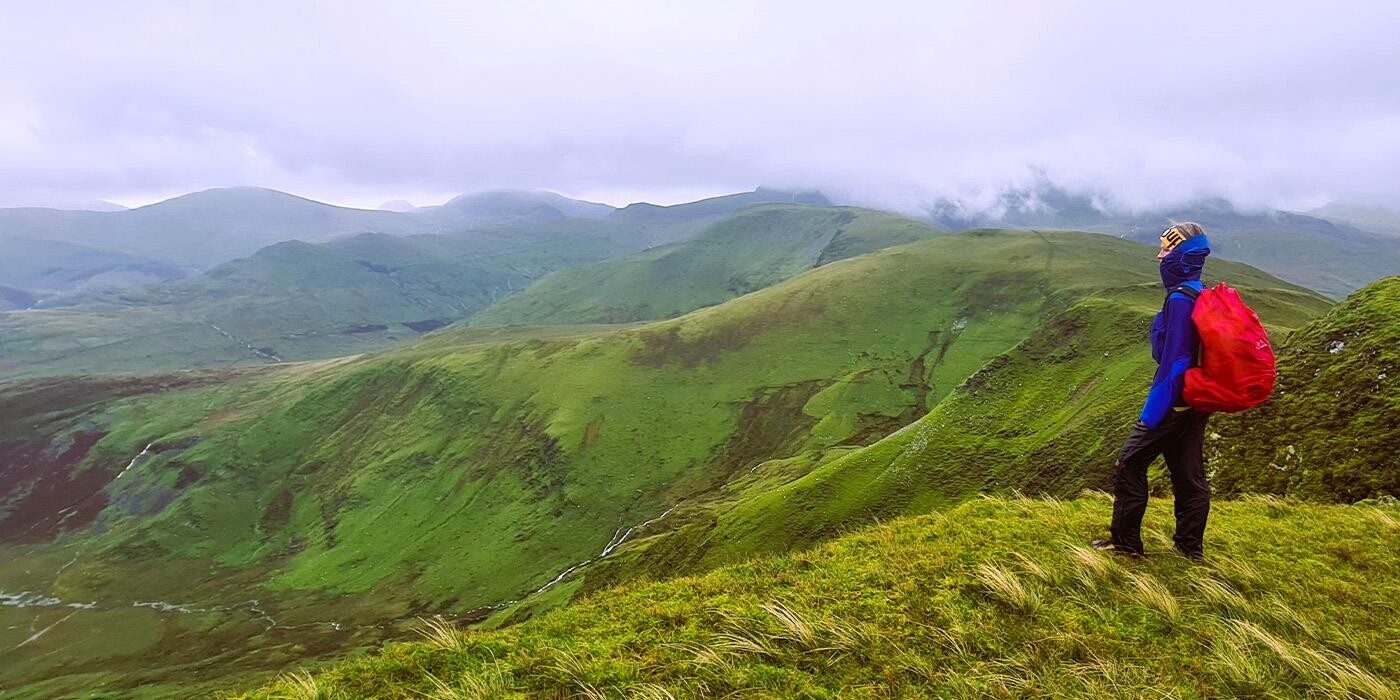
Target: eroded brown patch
(40, 493)
(32, 402)
(770, 425)
(592, 433)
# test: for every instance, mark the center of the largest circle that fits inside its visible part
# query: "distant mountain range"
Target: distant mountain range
(1362, 216)
(1334, 249)
(296, 300)
(1331, 255)
(197, 231)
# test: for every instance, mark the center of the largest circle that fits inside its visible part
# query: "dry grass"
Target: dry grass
(1149, 592)
(1008, 588)
(1092, 567)
(1219, 593)
(575, 671)
(1326, 672)
(300, 685)
(442, 634)
(796, 629)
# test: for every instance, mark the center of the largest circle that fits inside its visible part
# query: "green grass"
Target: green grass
(296, 300)
(475, 467)
(1046, 416)
(1332, 429)
(995, 597)
(758, 247)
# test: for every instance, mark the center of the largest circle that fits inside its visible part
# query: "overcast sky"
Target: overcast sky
(885, 103)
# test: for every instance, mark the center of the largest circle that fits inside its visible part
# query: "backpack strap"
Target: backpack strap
(1188, 291)
(1192, 294)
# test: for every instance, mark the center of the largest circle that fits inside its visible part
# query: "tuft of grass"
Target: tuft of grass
(442, 633)
(1091, 567)
(649, 691)
(1219, 593)
(299, 685)
(1008, 588)
(1149, 592)
(795, 628)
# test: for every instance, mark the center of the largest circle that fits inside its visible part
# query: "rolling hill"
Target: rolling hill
(233, 527)
(297, 300)
(48, 268)
(756, 248)
(202, 229)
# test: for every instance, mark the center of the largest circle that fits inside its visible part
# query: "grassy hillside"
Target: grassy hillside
(1332, 429)
(758, 247)
(46, 268)
(1046, 416)
(487, 465)
(991, 598)
(297, 300)
(715, 208)
(203, 229)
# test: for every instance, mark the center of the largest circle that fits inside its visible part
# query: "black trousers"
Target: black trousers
(1181, 440)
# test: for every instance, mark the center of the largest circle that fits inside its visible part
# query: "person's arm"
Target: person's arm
(1178, 350)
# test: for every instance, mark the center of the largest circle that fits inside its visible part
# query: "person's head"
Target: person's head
(1176, 234)
(1183, 252)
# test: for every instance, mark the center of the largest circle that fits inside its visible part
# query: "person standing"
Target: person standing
(1167, 426)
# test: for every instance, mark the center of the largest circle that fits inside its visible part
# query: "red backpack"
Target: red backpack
(1237, 363)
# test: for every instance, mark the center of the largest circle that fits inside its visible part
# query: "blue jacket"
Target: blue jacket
(1175, 345)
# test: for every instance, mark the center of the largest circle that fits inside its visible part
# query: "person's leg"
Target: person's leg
(1186, 464)
(1130, 486)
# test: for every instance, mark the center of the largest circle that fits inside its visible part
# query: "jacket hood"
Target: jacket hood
(1184, 264)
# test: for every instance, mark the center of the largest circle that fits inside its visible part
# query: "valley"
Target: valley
(489, 474)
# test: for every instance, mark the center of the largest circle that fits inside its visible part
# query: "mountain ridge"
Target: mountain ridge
(341, 490)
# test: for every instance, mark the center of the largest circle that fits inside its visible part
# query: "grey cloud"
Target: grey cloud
(890, 103)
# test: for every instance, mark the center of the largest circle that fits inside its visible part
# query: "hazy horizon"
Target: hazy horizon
(890, 104)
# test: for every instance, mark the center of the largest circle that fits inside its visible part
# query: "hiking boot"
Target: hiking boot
(1112, 548)
(1196, 557)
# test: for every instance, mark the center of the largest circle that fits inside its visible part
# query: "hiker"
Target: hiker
(1167, 425)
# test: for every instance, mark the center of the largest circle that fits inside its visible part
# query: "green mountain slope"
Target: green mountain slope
(487, 465)
(46, 268)
(203, 229)
(991, 598)
(297, 300)
(717, 207)
(1046, 416)
(1332, 429)
(756, 248)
